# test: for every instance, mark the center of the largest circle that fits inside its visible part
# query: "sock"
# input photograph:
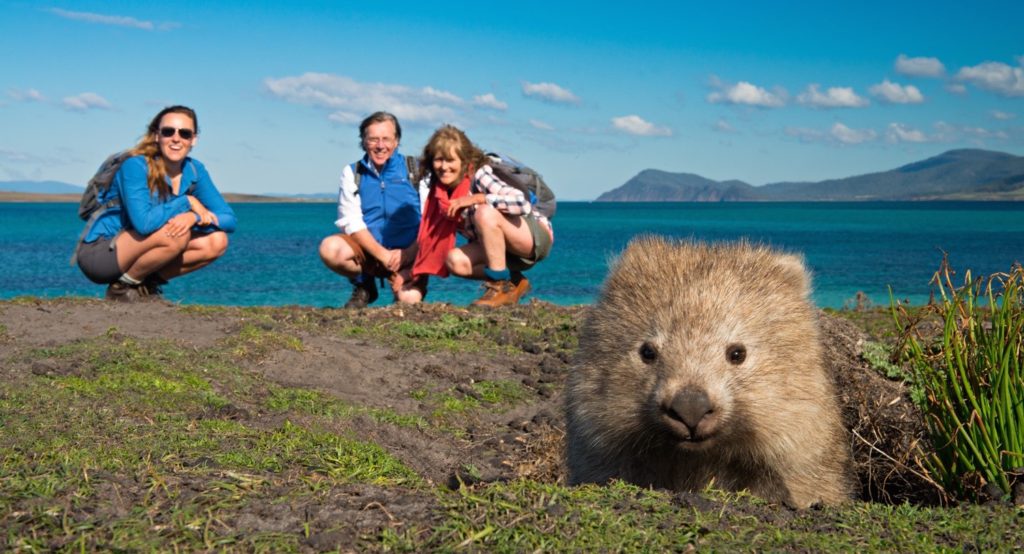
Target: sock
(497, 274)
(129, 280)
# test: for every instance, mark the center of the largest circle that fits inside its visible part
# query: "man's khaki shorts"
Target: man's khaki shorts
(372, 266)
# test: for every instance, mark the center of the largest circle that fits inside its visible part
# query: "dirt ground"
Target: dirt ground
(525, 441)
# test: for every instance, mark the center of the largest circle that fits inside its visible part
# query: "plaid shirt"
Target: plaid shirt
(501, 196)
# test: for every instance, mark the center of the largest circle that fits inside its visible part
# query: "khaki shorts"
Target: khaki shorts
(541, 246)
(372, 266)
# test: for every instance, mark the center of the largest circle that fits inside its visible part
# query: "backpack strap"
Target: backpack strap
(410, 166)
(358, 175)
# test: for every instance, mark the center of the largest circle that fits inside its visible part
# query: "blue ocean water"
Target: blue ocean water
(273, 259)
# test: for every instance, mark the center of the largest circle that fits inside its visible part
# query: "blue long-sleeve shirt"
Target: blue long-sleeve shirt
(146, 212)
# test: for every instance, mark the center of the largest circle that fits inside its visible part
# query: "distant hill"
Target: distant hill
(652, 185)
(966, 174)
(305, 196)
(40, 187)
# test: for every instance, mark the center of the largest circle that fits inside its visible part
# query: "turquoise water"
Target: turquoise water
(273, 258)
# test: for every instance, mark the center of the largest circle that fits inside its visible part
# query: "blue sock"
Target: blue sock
(497, 275)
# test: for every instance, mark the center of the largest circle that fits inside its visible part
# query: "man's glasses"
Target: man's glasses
(185, 134)
(373, 141)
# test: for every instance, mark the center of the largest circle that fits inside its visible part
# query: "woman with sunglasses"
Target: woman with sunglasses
(164, 217)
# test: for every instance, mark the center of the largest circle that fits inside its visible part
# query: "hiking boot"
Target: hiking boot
(363, 294)
(502, 293)
(153, 286)
(121, 292)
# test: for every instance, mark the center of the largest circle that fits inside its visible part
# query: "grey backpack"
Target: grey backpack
(526, 179)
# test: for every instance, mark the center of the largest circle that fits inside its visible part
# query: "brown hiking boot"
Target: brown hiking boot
(363, 294)
(121, 292)
(502, 293)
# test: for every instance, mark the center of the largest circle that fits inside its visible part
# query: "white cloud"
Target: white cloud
(636, 125)
(442, 96)
(351, 100)
(919, 67)
(837, 134)
(996, 77)
(27, 95)
(489, 101)
(746, 94)
(846, 135)
(895, 93)
(956, 88)
(834, 97)
(898, 132)
(1002, 116)
(723, 126)
(116, 20)
(345, 118)
(550, 92)
(85, 101)
(543, 126)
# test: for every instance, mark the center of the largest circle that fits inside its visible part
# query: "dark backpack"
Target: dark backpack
(90, 205)
(524, 178)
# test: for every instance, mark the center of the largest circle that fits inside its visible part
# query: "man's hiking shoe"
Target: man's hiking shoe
(502, 293)
(153, 285)
(363, 294)
(121, 292)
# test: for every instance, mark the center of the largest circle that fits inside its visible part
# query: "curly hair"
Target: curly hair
(149, 146)
(445, 140)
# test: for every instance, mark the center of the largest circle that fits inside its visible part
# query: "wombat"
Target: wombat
(701, 364)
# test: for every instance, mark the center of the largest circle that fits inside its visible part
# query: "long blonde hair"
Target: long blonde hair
(443, 141)
(149, 146)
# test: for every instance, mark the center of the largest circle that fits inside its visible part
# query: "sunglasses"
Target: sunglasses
(185, 134)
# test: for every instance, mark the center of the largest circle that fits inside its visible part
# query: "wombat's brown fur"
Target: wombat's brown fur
(701, 364)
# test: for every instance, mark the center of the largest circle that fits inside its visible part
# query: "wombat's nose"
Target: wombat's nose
(690, 406)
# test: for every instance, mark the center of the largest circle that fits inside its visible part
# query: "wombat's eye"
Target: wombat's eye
(736, 353)
(648, 353)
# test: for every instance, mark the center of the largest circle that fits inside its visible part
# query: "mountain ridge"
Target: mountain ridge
(961, 174)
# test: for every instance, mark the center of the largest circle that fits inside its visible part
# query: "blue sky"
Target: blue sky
(588, 94)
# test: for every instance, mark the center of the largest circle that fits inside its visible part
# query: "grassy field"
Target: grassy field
(114, 441)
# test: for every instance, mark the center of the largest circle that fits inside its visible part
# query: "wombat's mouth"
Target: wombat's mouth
(690, 416)
(685, 436)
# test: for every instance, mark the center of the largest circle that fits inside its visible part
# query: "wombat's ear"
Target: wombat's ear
(793, 272)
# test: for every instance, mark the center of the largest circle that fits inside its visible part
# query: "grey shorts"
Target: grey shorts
(541, 246)
(98, 261)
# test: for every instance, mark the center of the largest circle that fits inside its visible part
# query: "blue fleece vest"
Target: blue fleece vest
(391, 204)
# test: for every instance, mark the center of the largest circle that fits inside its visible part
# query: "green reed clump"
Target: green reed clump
(973, 379)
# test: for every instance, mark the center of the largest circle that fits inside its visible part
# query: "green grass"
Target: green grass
(123, 447)
(973, 377)
(282, 399)
(525, 516)
(540, 329)
(493, 395)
